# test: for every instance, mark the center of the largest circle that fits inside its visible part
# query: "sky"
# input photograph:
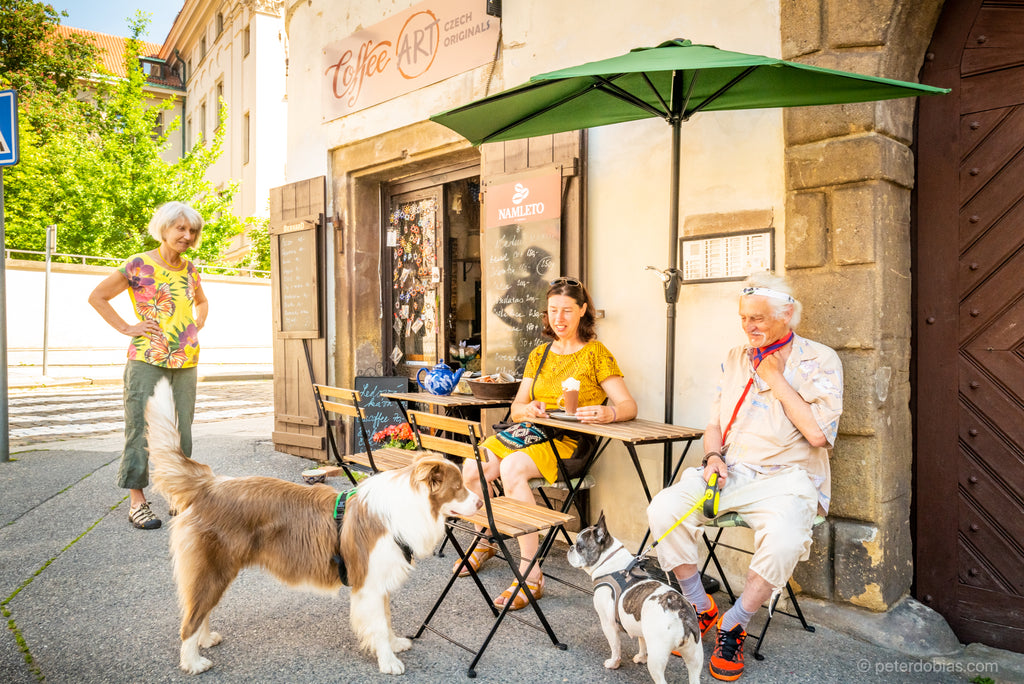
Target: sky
(111, 16)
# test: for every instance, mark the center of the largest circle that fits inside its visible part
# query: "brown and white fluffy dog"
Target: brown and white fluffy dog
(225, 524)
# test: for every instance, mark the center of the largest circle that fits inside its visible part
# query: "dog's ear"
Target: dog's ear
(601, 529)
(429, 471)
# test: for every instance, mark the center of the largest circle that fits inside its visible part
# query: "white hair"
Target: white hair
(770, 281)
(170, 213)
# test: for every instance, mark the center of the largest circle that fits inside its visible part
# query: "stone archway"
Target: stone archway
(849, 174)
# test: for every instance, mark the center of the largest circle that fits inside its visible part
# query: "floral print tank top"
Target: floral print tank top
(166, 296)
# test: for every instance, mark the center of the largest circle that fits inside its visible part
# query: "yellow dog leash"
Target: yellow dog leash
(709, 501)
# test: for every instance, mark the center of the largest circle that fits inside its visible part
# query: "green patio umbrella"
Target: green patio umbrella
(672, 81)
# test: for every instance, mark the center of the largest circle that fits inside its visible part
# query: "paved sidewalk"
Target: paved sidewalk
(31, 377)
(87, 598)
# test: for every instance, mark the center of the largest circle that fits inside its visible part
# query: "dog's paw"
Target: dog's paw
(399, 644)
(640, 658)
(196, 666)
(612, 663)
(211, 639)
(389, 664)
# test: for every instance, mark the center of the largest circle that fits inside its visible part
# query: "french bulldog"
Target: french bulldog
(628, 599)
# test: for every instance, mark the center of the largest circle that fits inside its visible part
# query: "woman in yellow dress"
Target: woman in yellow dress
(574, 352)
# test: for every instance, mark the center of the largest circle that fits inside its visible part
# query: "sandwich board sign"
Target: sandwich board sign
(8, 127)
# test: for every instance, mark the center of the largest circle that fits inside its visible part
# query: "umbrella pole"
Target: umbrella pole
(672, 290)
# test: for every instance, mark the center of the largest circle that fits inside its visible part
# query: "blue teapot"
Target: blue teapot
(440, 379)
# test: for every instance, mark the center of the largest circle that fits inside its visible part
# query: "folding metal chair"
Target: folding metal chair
(732, 519)
(346, 402)
(501, 519)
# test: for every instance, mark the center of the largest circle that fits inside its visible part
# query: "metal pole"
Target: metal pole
(672, 285)
(5, 433)
(51, 232)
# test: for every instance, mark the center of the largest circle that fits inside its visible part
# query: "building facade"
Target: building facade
(840, 191)
(234, 52)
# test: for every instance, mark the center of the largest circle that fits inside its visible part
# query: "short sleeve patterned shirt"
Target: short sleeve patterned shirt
(591, 365)
(166, 296)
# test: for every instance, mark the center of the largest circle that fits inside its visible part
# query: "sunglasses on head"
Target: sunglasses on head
(566, 281)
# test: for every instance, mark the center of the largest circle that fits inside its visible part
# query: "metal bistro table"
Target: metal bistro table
(461, 405)
(631, 433)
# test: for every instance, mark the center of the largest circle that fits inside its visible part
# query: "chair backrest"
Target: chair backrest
(425, 424)
(345, 402)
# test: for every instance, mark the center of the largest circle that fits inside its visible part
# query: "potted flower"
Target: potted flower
(396, 437)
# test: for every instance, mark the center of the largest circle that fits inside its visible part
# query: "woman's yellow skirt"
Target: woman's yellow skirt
(539, 453)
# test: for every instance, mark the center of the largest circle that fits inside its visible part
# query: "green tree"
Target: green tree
(98, 175)
(34, 57)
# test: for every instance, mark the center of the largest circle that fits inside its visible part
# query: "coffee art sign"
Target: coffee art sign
(422, 45)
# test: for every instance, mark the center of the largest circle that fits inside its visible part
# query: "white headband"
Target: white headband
(767, 292)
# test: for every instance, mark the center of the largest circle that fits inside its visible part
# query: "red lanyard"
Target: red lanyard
(759, 354)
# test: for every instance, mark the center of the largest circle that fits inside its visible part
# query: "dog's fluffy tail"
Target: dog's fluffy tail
(178, 478)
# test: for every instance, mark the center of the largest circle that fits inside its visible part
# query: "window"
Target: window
(220, 23)
(188, 71)
(202, 48)
(202, 122)
(245, 138)
(158, 129)
(245, 42)
(220, 92)
(188, 132)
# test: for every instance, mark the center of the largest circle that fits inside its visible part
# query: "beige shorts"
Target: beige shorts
(779, 507)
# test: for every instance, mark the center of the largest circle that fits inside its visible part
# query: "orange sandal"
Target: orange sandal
(481, 554)
(520, 601)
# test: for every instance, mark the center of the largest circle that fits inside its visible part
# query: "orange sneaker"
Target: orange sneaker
(706, 619)
(727, 658)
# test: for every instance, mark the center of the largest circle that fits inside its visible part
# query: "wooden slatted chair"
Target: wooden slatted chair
(732, 519)
(501, 519)
(346, 402)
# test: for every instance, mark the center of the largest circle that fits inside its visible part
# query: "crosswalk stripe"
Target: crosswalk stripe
(116, 426)
(17, 418)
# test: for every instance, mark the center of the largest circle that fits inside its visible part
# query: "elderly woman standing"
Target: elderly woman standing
(574, 352)
(171, 307)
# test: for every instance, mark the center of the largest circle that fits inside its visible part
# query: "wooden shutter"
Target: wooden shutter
(297, 252)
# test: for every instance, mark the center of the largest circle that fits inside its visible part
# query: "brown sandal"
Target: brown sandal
(520, 601)
(481, 554)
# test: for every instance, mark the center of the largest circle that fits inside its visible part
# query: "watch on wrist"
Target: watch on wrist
(707, 456)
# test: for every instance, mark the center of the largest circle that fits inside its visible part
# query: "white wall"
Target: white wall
(731, 162)
(238, 330)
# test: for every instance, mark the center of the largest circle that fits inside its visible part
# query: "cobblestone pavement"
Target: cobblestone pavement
(56, 413)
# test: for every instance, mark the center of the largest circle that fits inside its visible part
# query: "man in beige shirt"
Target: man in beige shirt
(773, 423)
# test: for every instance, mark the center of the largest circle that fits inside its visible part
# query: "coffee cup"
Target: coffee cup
(569, 401)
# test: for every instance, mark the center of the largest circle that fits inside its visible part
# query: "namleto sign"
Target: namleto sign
(422, 45)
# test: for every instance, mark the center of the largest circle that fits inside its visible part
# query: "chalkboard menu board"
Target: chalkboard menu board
(298, 293)
(521, 250)
(380, 412)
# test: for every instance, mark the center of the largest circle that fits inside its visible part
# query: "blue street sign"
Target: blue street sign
(8, 127)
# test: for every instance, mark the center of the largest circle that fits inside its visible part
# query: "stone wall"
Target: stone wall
(849, 175)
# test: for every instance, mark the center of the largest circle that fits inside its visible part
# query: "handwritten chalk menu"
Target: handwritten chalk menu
(521, 253)
(380, 412)
(297, 269)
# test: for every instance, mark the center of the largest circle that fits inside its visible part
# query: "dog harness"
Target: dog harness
(339, 517)
(620, 582)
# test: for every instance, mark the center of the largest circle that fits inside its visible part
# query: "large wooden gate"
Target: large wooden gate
(969, 321)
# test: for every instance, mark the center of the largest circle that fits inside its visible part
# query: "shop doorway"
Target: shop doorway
(432, 274)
